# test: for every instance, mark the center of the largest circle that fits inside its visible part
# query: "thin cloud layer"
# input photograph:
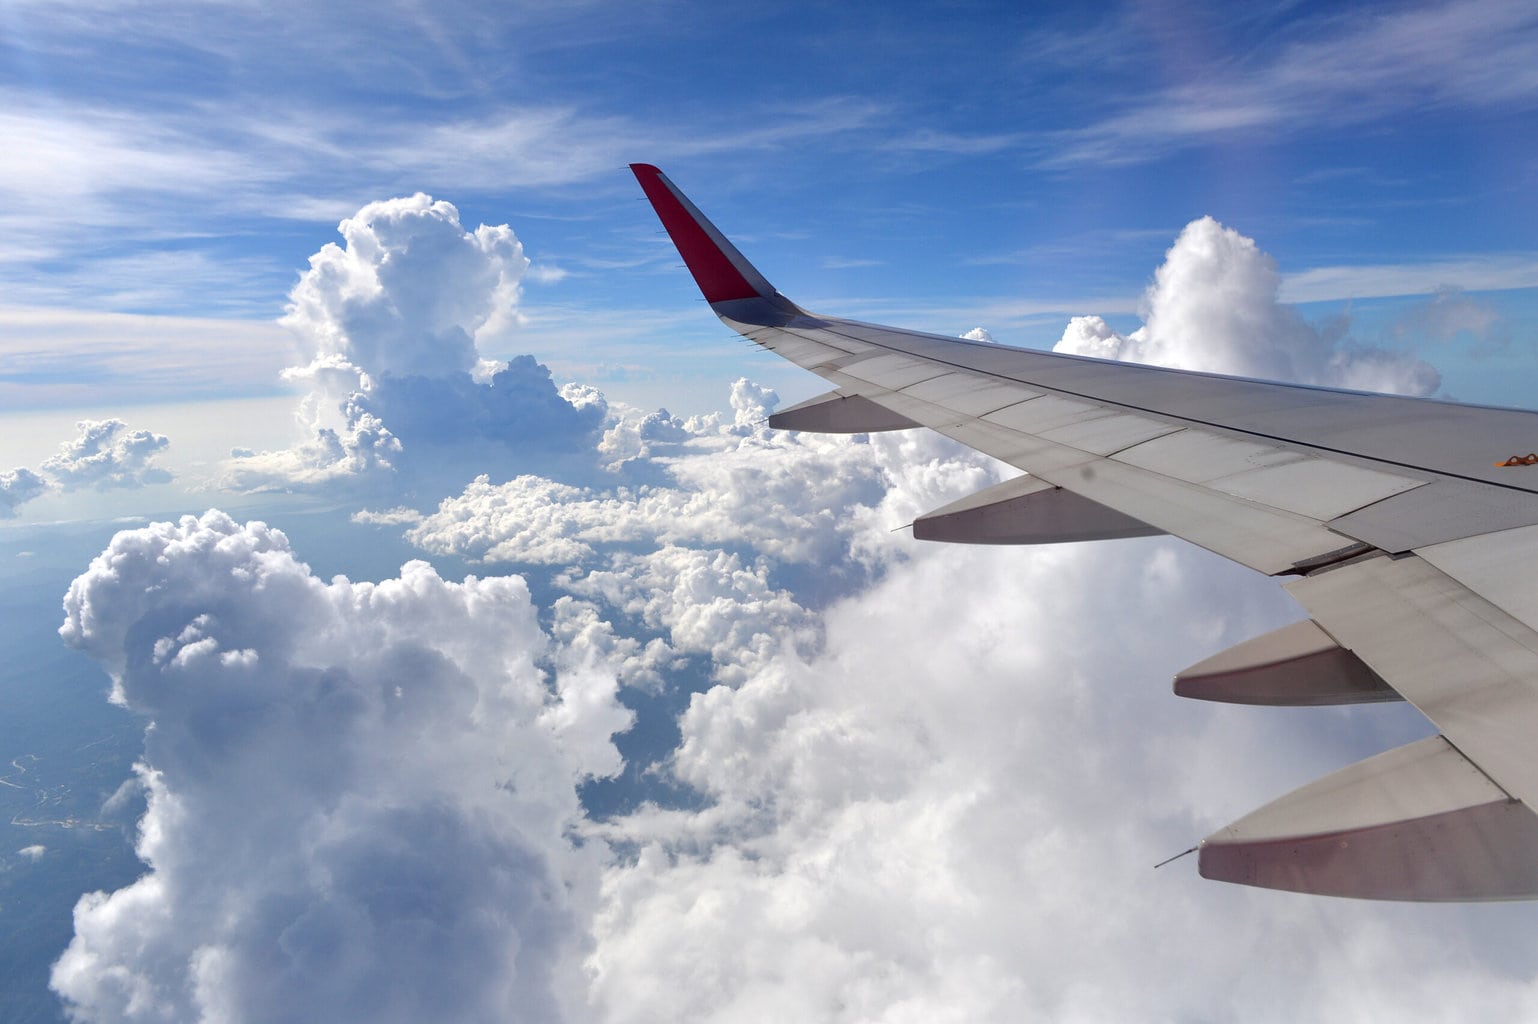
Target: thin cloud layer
(1369, 64)
(1213, 306)
(361, 796)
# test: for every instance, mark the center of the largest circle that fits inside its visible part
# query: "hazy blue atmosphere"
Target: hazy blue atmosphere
(445, 637)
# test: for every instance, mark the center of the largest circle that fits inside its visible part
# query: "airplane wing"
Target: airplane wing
(1403, 526)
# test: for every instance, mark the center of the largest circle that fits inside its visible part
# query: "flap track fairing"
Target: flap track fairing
(1419, 822)
(1295, 666)
(1026, 510)
(838, 413)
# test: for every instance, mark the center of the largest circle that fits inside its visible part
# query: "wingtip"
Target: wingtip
(718, 268)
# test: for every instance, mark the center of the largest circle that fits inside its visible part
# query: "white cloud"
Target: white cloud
(389, 517)
(1369, 63)
(361, 796)
(409, 291)
(951, 811)
(1496, 272)
(938, 799)
(1451, 315)
(706, 480)
(979, 334)
(579, 628)
(33, 853)
(108, 455)
(931, 780)
(388, 326)
(105, 455)
(68, 358)
(18, 486)
(941, 799)
(708, 601)
(1213, 306)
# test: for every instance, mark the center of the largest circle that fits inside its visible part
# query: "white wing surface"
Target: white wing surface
(1394, 520)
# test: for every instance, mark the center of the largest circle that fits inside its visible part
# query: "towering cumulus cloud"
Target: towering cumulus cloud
(360, 796)
(1213, 306)
(387, 324)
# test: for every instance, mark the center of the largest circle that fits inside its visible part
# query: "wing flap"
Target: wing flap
(1039, 415)
(1441, 511)
(1466, 664)
(1497, 566)
(1322, 489)
(969, 394)
(1106, 435)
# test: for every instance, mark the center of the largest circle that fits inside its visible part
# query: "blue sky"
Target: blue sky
(703, 735)
(947, 165)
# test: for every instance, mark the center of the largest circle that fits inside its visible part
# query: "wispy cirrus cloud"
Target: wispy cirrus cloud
(1352, 68)
(1474, 273)
(64, 358)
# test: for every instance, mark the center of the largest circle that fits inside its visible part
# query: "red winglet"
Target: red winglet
(707, 254)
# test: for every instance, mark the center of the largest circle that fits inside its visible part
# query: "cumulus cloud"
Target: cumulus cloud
(379, 302)
(709, 602)
(951, 811)
(979, 334)
(1213, 306)
(388, 326)
(361, 796)
(708, 479)
(107, 455)
(924, 782)
(33, 853)
(18, 486)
